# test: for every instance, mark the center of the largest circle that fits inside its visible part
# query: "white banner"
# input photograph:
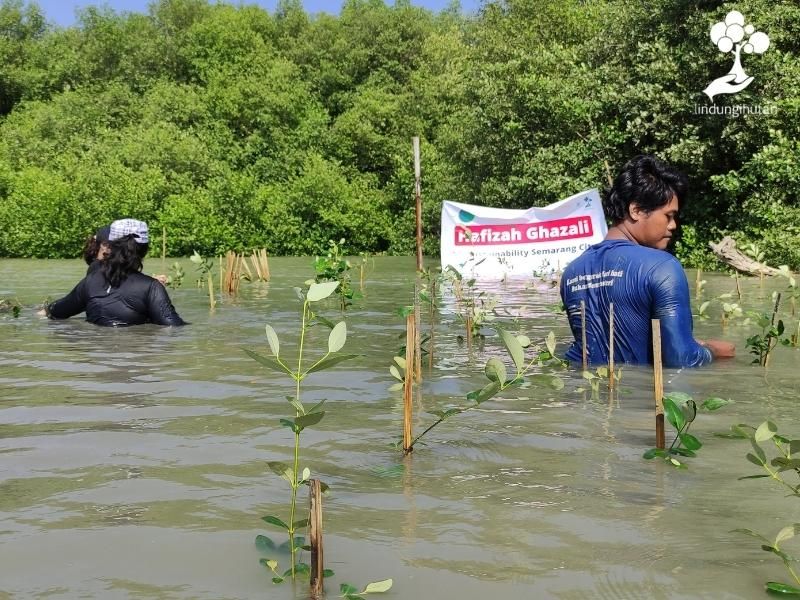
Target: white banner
(494, 242)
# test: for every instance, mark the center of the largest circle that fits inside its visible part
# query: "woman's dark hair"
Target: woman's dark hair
(125, 258)
(647, 181)
(90, 249)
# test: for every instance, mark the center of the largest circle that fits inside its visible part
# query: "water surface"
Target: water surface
(133, 461)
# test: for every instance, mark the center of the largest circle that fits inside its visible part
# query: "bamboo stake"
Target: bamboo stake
(417, 335)
(408, 391)
(315, 535)
(418, 200)
(611, 346)
(658, 384)
(584, 352)
(697, 282)
(738, 286)
(469, 332)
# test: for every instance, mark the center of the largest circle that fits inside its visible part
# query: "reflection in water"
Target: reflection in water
(132, 461)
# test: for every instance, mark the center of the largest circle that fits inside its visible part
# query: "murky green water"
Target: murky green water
(132, 461)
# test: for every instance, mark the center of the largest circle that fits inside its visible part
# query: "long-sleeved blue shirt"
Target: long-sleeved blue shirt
(644, 284)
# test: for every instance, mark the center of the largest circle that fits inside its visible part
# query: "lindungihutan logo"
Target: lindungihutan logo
(734, 36)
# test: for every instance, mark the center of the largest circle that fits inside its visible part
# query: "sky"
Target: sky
(62, 12)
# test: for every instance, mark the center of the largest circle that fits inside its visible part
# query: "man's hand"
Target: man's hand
(719, 349)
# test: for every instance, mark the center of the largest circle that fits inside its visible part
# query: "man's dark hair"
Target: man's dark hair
(90, 249)
(647, 181)
(125, 258)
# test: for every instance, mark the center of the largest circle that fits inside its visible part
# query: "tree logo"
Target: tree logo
(732, 35)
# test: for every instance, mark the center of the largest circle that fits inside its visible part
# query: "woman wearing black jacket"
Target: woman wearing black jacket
(118, 294)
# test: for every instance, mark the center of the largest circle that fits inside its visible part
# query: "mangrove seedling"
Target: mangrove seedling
(599, 376)
(761, 345)
(303, 417)
(335, 267)
(350, 592)
(786, 462)
(498, 379)
(10, 305)
(680, 410)
(205, 266)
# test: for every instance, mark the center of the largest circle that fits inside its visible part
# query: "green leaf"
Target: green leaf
(282, 469)
(690, 442)
(765, 431)
(306, 475)
(495, 370)
(308, 420)
(551, 381)
(267, 362)
(751, 533)
(264, 544)
(673, 413)
(377, 587)
(759, 451)
(316, 407)
(277, 580)
(290, 424)
(405, 311)
(394, 372)
(298, 406)
(330, 361)
(275, 521)
(550, 343)
(679, 398)
(300, 523)
(654, 452)
(753, 477)
(787, 533)
(683, 452)
(329, 324)
(337, 337)
(272, 340)
(401, 362)
(524, 340)
(328, 573)
(320, 291)
(782, 588)
(396, 387)
(346, 589)
(484, 393)
(754, 459)
(514, 348)
(714, 403)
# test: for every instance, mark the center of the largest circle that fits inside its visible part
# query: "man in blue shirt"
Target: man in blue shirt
(632, 269)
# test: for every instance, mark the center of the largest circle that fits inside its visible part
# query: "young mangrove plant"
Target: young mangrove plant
(205, 266)
(681, 411)
(335, 267)
(762, 344)
(498, 378)
(303, 417)
(10, 305)
(599, 376)
(785, 463)
(475, 308)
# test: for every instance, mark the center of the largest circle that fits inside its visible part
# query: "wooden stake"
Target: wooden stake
(418, 200)
(408, 389)
(417, 336)
(738, 287)
(315, 535)
(610, 346)
(584, 352)
(697, 282)
(469, 332)
(164, 250)
(658, 384)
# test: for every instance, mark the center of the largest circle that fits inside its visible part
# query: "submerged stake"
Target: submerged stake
(409, 384)
(658, 385)
(315, 535)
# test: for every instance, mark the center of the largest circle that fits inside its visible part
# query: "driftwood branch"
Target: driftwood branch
(726, 251)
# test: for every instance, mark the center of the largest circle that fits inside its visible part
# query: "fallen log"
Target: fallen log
(727, 252)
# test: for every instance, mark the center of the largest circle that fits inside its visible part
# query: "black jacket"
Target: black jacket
(139, 299)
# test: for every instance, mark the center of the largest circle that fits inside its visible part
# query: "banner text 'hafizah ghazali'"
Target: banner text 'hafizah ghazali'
(494, 243)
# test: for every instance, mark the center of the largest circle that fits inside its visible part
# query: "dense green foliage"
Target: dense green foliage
(235, 128)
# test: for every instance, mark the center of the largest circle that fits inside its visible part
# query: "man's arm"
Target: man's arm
(673, 309)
